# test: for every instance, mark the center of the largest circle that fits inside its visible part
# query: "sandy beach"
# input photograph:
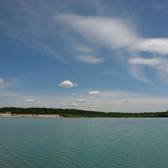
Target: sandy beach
(30, 115)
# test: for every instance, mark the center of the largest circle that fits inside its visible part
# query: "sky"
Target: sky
(104, 55)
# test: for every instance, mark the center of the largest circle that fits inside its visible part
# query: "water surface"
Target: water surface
(83, 143)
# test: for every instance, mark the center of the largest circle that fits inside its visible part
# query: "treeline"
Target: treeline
(78, 113)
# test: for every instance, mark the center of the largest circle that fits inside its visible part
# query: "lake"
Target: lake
(83, 143)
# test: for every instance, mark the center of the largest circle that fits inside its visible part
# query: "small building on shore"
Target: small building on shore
(6, 114)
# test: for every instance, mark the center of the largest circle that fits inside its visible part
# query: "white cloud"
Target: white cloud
(145, 61)
(90, 59)
(107, 31)
(30, 100)
(155, 45)
(2, 81)
(94, 92)
(73, 94)
(158, 64)
(138, 73)
(81, 100)
(74, 104)
(67, 84)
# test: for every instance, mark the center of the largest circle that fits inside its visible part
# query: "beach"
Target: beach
(30, 115)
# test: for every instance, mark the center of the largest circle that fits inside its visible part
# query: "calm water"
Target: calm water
(83, 143)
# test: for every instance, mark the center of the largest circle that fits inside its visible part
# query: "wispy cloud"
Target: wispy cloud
(90, 59)
(45, 26)
(158, 64)
(138, 73)
(106, 31)
(145, 61)
(154, 45)
(33, 24)
(81, 100)
(10, 82)
(30, 100)
(120, 34)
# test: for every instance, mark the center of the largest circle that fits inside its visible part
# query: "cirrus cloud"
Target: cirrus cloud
(30, 100)
(106, 31)
(155, 45)
(145, 61)
(120, 34)
(90, 59)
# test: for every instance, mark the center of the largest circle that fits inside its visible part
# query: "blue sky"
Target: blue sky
(108, 55)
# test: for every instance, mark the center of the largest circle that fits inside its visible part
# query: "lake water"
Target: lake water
(83, 143)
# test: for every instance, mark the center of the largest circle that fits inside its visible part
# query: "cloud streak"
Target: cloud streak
(145, 61)
(158, 64)
(154, 45)
(90, 59)
(108, 32)
(94, 92)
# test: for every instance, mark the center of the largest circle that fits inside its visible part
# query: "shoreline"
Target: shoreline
(74, 113)
(56, 116)
(4, 115)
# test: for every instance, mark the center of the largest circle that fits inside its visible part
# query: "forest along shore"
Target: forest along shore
(71, 113)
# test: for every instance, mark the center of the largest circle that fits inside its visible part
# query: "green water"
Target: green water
(83, 143)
